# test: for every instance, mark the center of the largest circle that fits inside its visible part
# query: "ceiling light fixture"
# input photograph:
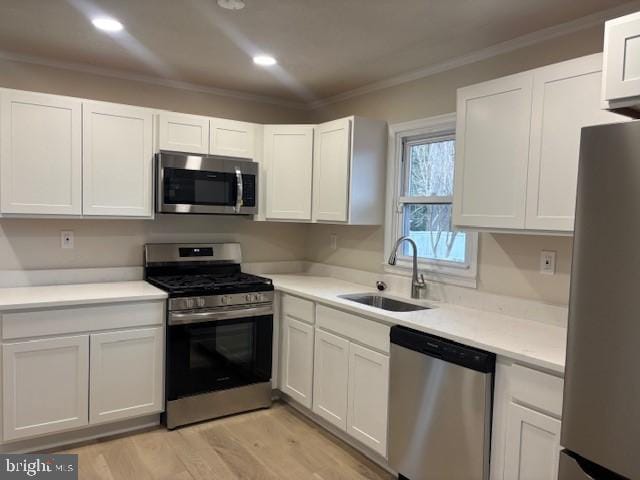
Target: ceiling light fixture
(264, 60)
(231, 4)
(107, 24)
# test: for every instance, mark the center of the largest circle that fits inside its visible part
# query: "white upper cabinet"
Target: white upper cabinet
(518, 145)
(117, 160)
(621, 85)
(181, 132)
(492, 151)
(40, 154)
(565, 99)
(231, 138)
(348, 171)
(288, 156)
(331, 162)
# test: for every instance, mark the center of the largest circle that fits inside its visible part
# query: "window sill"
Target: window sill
(463, 278)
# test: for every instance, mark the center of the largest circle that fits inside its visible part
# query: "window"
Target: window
(423, 163)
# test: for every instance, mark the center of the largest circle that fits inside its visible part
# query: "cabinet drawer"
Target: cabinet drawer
(537, 389)
(361, 330)
(56, 321)
(298, 308)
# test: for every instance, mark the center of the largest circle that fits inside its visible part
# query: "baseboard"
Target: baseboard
(76, 437)
(375, 457)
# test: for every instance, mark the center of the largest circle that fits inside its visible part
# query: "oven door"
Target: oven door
(196, 184)
(218, 350)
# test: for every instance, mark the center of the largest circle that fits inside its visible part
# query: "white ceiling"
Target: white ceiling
(325, 47)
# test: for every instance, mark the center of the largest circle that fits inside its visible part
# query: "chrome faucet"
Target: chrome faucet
(418, 285)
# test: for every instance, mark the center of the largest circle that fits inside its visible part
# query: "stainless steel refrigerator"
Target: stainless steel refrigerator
(601, 412)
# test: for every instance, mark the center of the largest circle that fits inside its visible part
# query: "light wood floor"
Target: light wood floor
(273, 444)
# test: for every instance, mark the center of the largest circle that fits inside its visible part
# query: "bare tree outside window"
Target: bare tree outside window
(428, 191)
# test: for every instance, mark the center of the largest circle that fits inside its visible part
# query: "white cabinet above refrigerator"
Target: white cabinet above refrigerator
(621, 63)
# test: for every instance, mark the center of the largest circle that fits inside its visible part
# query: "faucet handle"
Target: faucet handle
(422, 282)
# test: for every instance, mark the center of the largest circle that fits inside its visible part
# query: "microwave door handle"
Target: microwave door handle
(239, 194)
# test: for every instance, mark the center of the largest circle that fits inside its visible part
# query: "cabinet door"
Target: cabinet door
(532, 445)
(297, 360)
(566, 97)
(126, 374)
(288, 151)
(180, 132)
(492, 151)
(331, 171)
(231, 138)
(45, 386)
(622, 58)
(330, 378)
(117, 160)
(368, 397)
(40, 154)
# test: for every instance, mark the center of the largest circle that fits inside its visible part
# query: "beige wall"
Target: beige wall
(35, 244)
(39, 78)
(507, 264)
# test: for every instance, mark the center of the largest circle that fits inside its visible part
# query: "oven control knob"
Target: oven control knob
(200, 302)
(224, 300)
(248, 297)
(189, 303)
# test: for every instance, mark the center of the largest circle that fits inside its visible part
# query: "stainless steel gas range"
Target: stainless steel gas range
(219, 331)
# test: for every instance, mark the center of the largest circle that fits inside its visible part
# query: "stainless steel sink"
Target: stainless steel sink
(384, 303)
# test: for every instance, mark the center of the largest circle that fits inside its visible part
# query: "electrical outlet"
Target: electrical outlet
(334, 241)
(547, 262)
(66, 239)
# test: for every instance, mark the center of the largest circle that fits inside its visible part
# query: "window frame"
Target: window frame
(439, 127)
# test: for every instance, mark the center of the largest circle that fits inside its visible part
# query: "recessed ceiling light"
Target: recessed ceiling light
(231, 4)
(264, 60)
(107, 24)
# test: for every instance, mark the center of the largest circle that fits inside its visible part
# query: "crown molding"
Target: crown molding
(504, 47)
(163, 82)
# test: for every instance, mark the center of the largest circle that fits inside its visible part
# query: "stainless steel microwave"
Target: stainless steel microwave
(205, 184)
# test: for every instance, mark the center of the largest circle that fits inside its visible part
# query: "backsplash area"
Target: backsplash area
(35, 243)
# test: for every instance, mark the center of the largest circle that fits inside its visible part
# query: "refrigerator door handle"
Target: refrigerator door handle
(572, 467)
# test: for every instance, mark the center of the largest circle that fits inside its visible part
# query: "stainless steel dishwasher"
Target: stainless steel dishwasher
(440, 403)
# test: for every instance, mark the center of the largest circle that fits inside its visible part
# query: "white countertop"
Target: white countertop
(20, 298)
(534, 343)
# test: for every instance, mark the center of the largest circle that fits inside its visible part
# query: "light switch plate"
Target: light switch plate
(548, 262)
(66, 239)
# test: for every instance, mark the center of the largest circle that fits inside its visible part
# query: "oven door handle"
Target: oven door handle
(218, 315)
(239, 194)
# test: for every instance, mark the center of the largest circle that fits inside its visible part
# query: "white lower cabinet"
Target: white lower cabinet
(73, 380)
(526, 423)
(532, 445)
(297, 365)
(331, 378)
(126, 374)
(368, 397)
(45, 386)
(344, 361)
